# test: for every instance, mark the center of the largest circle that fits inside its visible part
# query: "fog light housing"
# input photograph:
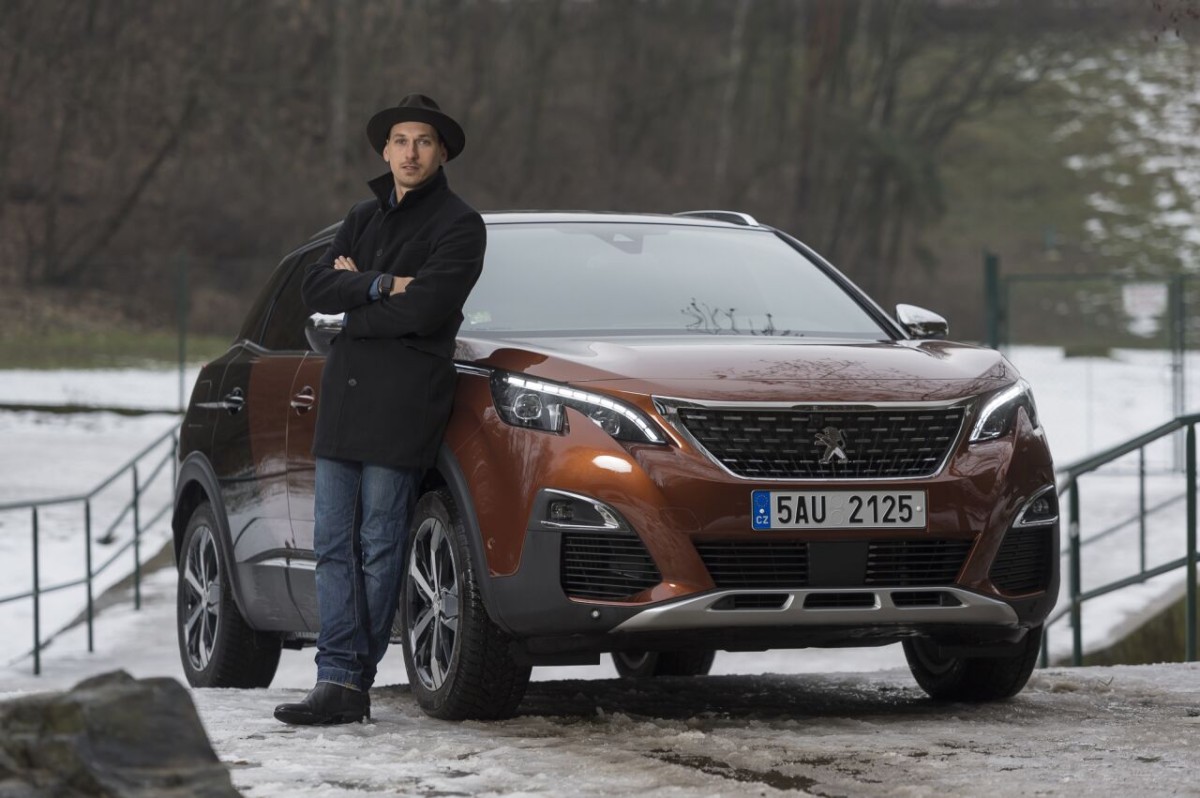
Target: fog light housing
(1040, 510)
(560, 511)
(573, 511)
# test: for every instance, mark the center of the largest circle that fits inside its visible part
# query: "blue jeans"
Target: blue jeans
(359, 565)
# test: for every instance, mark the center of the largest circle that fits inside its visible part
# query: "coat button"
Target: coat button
(353, 382)
(379, 253)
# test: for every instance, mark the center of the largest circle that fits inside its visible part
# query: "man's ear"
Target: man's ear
(443, 151)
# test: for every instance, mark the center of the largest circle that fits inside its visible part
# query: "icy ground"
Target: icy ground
(1097, 731)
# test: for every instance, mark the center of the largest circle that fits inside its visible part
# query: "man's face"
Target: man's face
(414, 153)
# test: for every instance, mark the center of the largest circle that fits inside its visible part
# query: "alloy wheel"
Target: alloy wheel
(432, 603)
(202, 584)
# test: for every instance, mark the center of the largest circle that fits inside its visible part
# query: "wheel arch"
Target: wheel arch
(448, 474)
(196, 484)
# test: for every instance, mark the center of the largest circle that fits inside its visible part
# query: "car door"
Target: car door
(250, 454)
(301, 471)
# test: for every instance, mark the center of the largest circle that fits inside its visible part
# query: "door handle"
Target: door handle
(231, 402)
(303, 400)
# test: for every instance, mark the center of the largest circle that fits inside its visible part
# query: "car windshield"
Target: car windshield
(611, 278)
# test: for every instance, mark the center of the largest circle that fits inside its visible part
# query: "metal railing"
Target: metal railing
(1069, 487)
(140, 483)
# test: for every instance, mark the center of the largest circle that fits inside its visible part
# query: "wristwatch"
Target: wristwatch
(385, 285)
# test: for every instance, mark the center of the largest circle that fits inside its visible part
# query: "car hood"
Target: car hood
(740, 369)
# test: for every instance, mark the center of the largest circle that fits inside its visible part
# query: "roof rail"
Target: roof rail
(736, 217)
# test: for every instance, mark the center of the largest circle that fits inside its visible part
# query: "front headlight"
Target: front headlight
(537, 404)
(995, 419)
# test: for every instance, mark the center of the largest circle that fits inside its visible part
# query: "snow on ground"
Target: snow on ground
(48, 455)
(1102, 731)
(825, 722)
(154, 389)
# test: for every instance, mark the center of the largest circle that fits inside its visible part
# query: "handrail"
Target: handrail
(1069, 485)
(1106, 456)
(132, 506)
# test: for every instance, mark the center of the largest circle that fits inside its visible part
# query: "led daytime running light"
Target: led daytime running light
(995, 404)
(590, 398)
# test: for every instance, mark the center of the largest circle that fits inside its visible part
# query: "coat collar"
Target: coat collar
(383, 186)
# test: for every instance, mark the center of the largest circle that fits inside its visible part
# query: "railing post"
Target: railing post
(87, 543)
(1142, 508)
(137, 539)
(991, 298)
(1178, 316)
(37, 602)
(1076, 602)
(1191, 543)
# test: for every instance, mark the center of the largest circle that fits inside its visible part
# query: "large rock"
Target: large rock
(111, 735)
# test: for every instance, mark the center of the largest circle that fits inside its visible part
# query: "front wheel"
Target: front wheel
(216, 645)
(459, 662)
(974, 679)
(648, 664)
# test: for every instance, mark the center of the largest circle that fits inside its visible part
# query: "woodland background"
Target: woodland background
(901, 138)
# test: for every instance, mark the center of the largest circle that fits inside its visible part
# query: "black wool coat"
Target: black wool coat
(388, 384)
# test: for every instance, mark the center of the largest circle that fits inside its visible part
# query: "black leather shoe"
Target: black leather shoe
(327, 704)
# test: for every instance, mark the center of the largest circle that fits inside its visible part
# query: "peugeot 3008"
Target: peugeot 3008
(672, 435)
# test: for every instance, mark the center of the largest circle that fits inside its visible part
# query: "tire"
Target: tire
(974, 679)
(648, 664)
(460, 664)
(216, 646)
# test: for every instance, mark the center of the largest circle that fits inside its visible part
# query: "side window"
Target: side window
(252, 327)
(285, 325)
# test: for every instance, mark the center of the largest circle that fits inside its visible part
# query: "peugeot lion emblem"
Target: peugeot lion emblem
(831, 438)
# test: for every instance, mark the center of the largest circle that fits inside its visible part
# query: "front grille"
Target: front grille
(756, 563)
(915, 563)
(783, 444)
(606, 566)
(1023, 563)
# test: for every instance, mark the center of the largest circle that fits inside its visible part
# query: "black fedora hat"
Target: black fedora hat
(417, 108)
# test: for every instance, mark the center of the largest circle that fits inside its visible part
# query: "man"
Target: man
(400, 269)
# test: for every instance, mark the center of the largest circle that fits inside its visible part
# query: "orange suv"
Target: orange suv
(672, 435)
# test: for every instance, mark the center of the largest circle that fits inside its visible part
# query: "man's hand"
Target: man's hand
(399, 284)
(343, 263)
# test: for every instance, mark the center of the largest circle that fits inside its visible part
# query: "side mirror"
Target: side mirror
(921, 323)
(321, 329)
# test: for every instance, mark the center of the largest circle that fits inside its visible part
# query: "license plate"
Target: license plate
(837, 509)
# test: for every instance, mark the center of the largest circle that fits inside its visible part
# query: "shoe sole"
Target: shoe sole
(306, 719)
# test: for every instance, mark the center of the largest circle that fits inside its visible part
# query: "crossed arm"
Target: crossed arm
(416, 305)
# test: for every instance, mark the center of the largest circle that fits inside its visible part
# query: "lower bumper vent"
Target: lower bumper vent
(1023, 563)
(606, 566)
(915, 563)
(753, 601)
(925, 598)
(777, 564)
(756, 563)
(839, 601)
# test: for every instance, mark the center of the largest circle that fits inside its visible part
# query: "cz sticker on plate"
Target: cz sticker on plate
(837, 509)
